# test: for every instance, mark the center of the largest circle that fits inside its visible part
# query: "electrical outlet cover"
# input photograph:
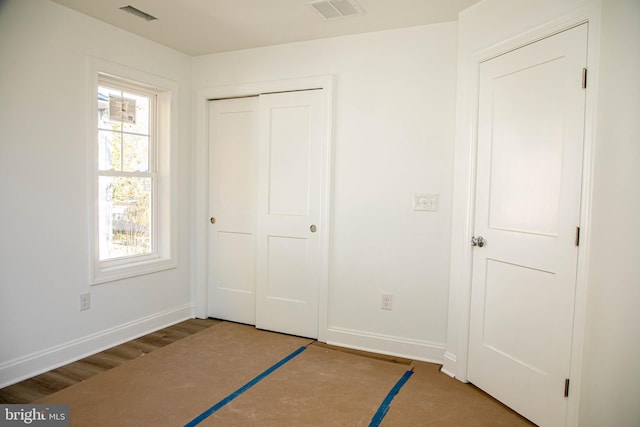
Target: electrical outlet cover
(387, 302)
(85, 301)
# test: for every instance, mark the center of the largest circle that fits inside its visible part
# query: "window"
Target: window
(132, 215)
(126, 171)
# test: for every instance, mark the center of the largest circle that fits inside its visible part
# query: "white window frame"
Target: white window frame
(164, 209)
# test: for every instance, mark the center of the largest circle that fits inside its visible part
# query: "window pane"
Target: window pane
(139, 119)
(124, 206)
(109, 151)
(135, 153)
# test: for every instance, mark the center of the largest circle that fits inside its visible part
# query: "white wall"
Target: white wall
(609, 384)
(44, 264)
(611, 381)
(393, 136)
(394, 131)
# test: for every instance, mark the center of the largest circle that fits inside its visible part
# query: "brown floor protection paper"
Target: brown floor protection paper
(320, 387)
(431, 398)
(174, 384)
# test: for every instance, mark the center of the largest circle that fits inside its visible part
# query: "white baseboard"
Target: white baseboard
(449, 364)
(394, 346)
(45, 360)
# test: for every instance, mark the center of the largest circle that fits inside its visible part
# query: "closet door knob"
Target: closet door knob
(478, 241)
(212, 219)
(313, 228)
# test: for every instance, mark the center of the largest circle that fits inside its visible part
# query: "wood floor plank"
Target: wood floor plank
(45, 384)
(124, 351)
(24, 392)
(105, 360)
(55, 380)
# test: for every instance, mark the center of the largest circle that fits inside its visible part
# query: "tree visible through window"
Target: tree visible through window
(126, 171)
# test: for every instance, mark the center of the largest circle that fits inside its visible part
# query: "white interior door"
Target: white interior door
(289, 212)
(529, 166)
(233, 162)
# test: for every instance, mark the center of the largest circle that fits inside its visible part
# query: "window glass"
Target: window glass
(135, 153)
(126, 183)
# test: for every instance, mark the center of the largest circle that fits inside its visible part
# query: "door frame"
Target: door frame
(200, 246)
(457, 351)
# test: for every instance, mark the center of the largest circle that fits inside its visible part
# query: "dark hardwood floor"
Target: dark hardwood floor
(42, 385)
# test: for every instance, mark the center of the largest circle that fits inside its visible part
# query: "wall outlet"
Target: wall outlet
(85, 301)
(387, 302)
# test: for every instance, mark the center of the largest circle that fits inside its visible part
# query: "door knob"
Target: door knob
(313, 228)
(213, 220)
(478, 241)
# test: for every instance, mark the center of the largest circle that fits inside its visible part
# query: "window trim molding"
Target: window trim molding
(165, 205)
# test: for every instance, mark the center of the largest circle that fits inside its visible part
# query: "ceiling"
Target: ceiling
(199, 27)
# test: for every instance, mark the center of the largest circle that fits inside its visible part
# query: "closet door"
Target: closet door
(289, 212)
(233, 163)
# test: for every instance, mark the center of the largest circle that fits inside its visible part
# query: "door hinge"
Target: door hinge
(577, 236)
(566, 387)
(584, 78)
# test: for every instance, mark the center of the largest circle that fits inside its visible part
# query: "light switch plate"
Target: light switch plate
(425, 202)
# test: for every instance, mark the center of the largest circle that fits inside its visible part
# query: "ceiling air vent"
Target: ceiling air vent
(137, 12)
(332, 9)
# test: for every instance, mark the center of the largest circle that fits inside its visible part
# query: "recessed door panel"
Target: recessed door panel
(289, 159)
(234, 273)
(518, 312)
(526, 158)
(288, 259)
(235, 173)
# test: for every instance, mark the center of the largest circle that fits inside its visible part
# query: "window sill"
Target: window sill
(112, 273)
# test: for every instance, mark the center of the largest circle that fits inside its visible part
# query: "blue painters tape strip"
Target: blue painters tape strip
(242, 389)
(384, 406)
